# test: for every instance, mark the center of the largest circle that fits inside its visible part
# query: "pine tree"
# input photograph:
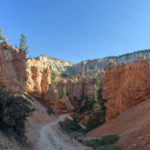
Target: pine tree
(22, 43)
(89, 102)
(1, 37)
(96, 106)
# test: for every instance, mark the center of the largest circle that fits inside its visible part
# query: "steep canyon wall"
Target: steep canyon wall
(125, 86)
(12, 69)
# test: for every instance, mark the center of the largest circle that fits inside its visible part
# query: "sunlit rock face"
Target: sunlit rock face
(39, 85)
(125, 86)
(55, 65)
(38, 79)
(12, 69)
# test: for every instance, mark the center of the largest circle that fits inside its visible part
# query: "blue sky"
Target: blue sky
(77, 30)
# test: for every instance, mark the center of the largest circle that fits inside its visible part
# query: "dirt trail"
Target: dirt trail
(46, 134)
(52, 138)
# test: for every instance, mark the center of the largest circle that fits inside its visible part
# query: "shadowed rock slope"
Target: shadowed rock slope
(133, 127)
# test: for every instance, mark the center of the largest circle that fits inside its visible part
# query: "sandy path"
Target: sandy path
(44, 132)
(51, 137)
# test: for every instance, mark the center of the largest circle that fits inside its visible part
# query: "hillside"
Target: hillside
(133, 127)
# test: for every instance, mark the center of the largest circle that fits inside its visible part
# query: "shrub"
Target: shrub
(70, 125)
(100, 141)
(96, 81)
(75, 131)
(50, 110)
(22, 44)
(1, 37)
(54, 82)
(108, 147)
(109, 139)
(64, 75)
(61, 94)
(13, 114)
(77, 135)
(29, 96)
(94, 105)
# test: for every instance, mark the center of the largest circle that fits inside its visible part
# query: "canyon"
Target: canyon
(64, 86)
(125, 83)
(41, 86)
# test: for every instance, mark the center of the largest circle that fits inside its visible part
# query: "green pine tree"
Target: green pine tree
(22, 43)
(1, 37)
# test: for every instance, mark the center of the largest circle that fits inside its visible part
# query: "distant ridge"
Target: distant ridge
(127, 54)
(88, 66)
(98, 65)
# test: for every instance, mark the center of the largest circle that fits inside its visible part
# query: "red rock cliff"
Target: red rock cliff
(12, 69)
(38, 79)
(125, 86)
(39, 86)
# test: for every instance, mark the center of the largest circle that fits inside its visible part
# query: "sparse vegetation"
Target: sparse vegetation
(94, 104)
(50, 110)
(13, 114)
(1, 37)
(71, 126)
(73, 78)
(22, 44)
(88, 104)
(64, 75)
(75, 131)
(29, 96)
(74, 72)
(61, 94)
(101, 142)
(108, 147)
(54, 82)
(127, 54)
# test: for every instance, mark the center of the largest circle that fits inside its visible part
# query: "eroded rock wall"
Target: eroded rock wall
(12, 69)
(38, 80)
(76, 90)
(40, 85)
(125, 86)
(55, 65)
